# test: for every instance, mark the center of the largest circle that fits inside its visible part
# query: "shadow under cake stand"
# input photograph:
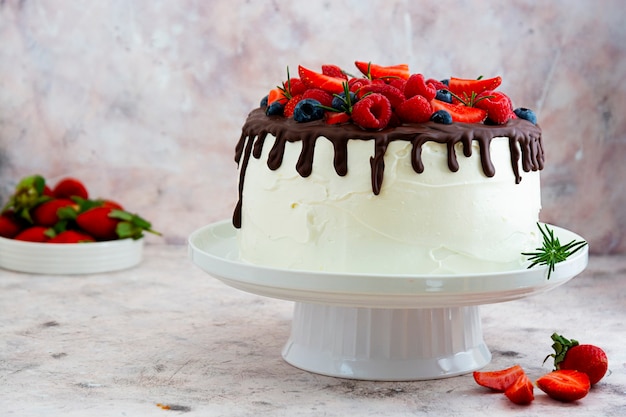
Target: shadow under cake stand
(376, 326)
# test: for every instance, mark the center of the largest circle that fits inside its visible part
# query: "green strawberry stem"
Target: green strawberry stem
(132, 225)
(561, 345)
(29, 192)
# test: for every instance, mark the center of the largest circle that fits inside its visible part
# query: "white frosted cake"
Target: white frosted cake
(412, 198)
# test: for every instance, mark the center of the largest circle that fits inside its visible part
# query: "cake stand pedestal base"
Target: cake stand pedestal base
(386, 344)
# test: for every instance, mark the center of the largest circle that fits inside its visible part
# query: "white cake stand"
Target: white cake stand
(380, 327)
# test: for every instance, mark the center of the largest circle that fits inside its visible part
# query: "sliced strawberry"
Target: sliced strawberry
(521, 391)
(276, 95)
(46, 214)
(415, 110)
(71, 236)
(460, 112)
(314, 79)
(373, 71)
(498, 380)
(464, 87)
(70, 187)
(335, 118)
(565, 385)
(333, 71)
(291, 105)
(416, 85)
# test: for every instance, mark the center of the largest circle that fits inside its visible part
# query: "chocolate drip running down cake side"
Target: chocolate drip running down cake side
(453, 193)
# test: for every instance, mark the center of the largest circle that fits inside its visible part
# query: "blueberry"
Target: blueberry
(527, 114)
(446, 81)
(275, 109)
(340, 103)
(444, 95)
(308, 110)
(263, 102)
(441, 116)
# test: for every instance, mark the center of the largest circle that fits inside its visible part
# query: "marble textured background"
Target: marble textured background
(144, 99)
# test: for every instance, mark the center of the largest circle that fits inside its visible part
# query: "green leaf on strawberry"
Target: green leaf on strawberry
(29, 193)
(132, 225)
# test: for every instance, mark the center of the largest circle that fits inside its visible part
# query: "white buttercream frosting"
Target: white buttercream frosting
(434, 222)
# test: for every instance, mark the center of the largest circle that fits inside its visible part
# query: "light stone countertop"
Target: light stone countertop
(165, 332)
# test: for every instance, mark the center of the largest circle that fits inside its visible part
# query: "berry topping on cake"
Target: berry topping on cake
(412, 98)
(526, 114)
(373, 71)
(372, 112)
(312, 79)
(308, 110)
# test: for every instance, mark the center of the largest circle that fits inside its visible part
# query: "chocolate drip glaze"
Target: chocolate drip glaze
(524, 142)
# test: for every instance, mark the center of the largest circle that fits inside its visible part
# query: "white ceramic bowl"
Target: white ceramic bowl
(70, 258)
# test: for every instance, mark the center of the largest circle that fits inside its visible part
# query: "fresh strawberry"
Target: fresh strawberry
(325, 98)
(314, 79)
(394, 95)
(416, 85)
(464, 88)
(460, 112)
(45, 214)
(71, 236)
(70, 187)
(521, 391)
(105, 223)
(112, 204)
(335, 118)
(569, 354)
(498, 106)
(334, 71)
(291, 105)
(373, 71)
(33, 234)
(276, 95)
(29, 192)
(565, 385)
(10, 226)
(415, 110)
(372, 112)
(498, 380)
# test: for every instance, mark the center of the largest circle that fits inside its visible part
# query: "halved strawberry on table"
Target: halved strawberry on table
(565, 385)
(498, 380)
(521, 392)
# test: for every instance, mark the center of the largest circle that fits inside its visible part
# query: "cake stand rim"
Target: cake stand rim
(220, 260)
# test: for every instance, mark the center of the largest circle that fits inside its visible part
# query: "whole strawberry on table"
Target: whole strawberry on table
(37, 212)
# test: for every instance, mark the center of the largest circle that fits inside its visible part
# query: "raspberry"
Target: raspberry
(356, 83)
(372, 112)
(416, 85)
(291, 105)
(415, 110)
(394, 95)
(399, 83)
(497, 105)
(294, 86)
(325, 99)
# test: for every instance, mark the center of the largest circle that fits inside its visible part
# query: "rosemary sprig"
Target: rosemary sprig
(552, 252)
